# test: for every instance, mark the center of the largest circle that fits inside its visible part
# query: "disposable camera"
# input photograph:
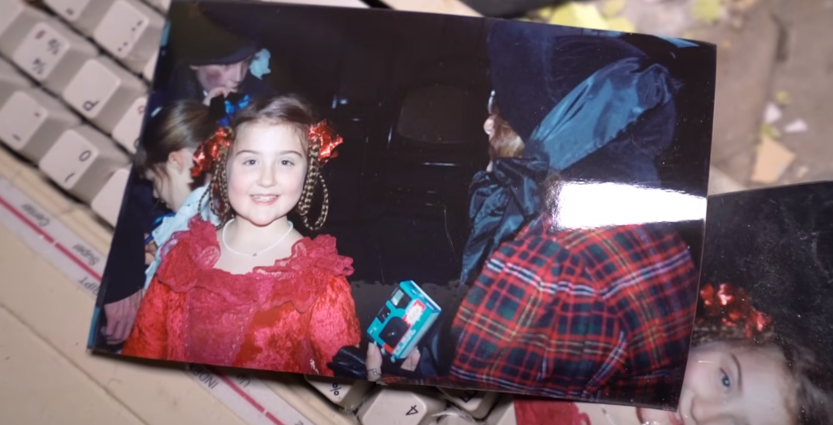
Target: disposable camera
(405, 318)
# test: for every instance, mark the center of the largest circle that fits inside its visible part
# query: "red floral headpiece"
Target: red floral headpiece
(733, 307)
(209, 151)
(324, 135)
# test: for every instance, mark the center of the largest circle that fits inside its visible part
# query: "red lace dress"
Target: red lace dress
(546, 412)
(293, 316)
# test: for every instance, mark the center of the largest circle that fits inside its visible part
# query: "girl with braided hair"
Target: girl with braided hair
(760, 346)
(252, 291)
(165, 158)
(742, 369)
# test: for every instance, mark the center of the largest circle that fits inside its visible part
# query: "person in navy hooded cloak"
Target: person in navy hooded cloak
(582, 313)
(601, 313)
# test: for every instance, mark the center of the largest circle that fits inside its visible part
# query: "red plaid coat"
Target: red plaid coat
(586, 314)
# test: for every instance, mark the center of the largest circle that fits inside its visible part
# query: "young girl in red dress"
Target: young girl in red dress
(253, 292)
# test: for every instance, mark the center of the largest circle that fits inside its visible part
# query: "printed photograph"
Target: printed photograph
(761, 351)
(416, 198)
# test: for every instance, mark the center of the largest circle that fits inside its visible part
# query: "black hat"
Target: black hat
(535, 66)
(197, 40)
(777, 243)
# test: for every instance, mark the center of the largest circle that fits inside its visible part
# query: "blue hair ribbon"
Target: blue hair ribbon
(260, 64)
(232, 108)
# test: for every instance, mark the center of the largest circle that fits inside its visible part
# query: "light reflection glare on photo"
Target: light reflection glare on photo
(580, 205)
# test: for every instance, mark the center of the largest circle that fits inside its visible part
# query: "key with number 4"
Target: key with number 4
(400, 406)
(52, 54)
(81, 161)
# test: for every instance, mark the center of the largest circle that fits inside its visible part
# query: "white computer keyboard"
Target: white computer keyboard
(73, 81)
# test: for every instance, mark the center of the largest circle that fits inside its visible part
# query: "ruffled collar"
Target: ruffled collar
(179, 221)
(313, 262)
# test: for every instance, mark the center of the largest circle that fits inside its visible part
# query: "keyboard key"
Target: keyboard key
(81, 161)
(11, 81)
(503, 413)
(161, 5)
(102, 92)
(130, 31)
(150, 67)
(52, 54)
(83, 15)
(455, 417)
(15, 22)
(32, 120)
(345, 393)
(398, 406)
(294, 402)
(476, 403)
(129, 128)
(107, 202)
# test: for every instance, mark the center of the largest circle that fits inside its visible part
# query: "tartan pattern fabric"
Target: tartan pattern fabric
(583, 314)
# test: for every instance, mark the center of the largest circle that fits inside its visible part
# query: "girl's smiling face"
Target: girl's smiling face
(732, 383)
(267, 167)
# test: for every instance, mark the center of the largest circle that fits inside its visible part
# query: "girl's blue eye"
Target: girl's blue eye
(725, 380)
(249, 162)
(286, 162)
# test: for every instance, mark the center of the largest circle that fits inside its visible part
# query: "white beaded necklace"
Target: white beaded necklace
(225, 244)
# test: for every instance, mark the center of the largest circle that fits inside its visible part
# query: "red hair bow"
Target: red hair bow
(323, 134)
(208, 152)
(734, 308)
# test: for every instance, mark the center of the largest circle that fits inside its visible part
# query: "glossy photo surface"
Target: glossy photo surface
(761, 351)
(417, 198)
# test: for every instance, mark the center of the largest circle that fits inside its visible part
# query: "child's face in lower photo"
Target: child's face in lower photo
(172, 180)
(732, 384)
(266, 171)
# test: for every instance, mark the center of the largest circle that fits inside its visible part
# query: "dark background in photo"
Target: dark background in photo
(777, 243)
(409, 93)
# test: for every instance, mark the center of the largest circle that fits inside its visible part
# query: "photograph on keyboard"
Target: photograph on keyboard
(416, 198)
(761, 343)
